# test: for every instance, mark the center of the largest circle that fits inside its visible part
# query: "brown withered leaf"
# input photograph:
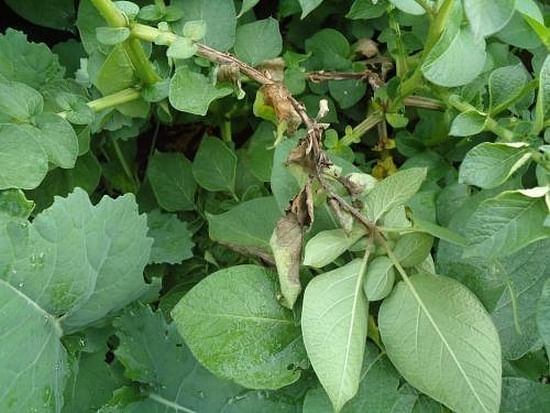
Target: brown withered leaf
(345, 219)
(302, 206)
(276, 95)
(273, 68)
(286, 244)
(367, 47)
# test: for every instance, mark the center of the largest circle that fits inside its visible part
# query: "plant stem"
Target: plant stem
(370, 122)
(401, 60)
(112, 15)
(423, 103)
(110, 101)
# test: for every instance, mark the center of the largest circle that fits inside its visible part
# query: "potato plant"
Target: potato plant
(305, 206)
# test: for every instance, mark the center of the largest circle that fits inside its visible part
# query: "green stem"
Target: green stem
(370, 122)
(401, 60)
(161, 5)
(226, 131)
(112, 15)
(110, 101)
(123, 163)
(427, 7)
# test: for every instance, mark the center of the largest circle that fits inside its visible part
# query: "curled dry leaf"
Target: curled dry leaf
(277, 96)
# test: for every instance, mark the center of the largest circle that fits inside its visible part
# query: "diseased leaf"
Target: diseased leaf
(258, 41)
(171, 238)
(230, 321)
(489, 165)
(215, 165)
(443, 342)
(334, 324)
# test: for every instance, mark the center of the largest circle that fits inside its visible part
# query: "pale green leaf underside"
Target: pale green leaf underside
(443, 342)
(488, 16)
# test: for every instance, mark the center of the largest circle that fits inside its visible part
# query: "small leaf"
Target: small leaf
(487, 17)
(505, 84)
(182, 48)
(506, 223)
(326, 246)
(58, 139)
(489, 165)
(308, 6)
(286, 244)
(112, 35)
(258, 41)
(332, 49)
(412, 249)
(366, 9)
(231, 320)
(468, 124)
(172, 181)
(393, 191)
(171, 238)
(246, 6)
(542, 111)
(334, 325)
(409, 6)
(443, 342)
(192, 92)
(379, 279)
(13, 203)
(194, 30)
(215, 165)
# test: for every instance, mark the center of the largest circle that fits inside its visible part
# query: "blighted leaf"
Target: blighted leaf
(412, 249)
(489, 165)
(325, 246)
(506, 223)
(247, 227)
(172, 242)
(334, 324)
(215, 165)
(487, 16)
(443, 342)
(468, 124)
(172, 181)
(286, 244)
(193, 92)
(379, 279)
(230, 321)
(258, 41)
(393, 191)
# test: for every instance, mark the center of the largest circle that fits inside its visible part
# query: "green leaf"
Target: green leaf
(58, 139)
(247, 5)
(286, 244)
(19, 102)
(221, 20)
(13, 203)
(347, 92)
(456, 348)
(284, 184)
(24, 162)
(505, 84)
(468, 124)
(517, 32)
(195, 30)
(55, 14)
(192, 92)
(247, 227)
(543, 309)
(182, 48)
(325, 246)
(542, 111)
(260, 152)
(172, 181)
(393, 191)
(30, 63)
(308, 6)
(489, 165)
(487, 17)
(258, 41)
(412, 249)
(112, 35)
(331, 48)
(506, 223)
(409, 6)
(215, 165)
(230, 321)
(366, 9)
(334, 324)
(379, 279)
(171, 238)
(523, 396)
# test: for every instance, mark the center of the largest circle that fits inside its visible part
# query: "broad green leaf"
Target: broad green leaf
(58, 139)
(409, 6)
(31, 353)
(439, 232)
(517, 32)
(193, 92)
(443, 342)
(334, 324)
(378, 391)
(258, 41)
(260, 152)
(506, 223)
(393, 191)
(284, 184)
(412, 249)
(231, 320)
(543, 310)
(247, 227)
(456, 59)
(220, 20)
(55, 14)
(542, 111)
(286, 245)
(182, 48)
(30, 63)
(366, 9)
(112, 35)
(13, 203)
(308, 6)
(215, 165)
(487, 16)
(19, 102)
(524, 396)
(325, 246)
(468, 124)
(379, 279)
(172, 181)
(489, 165)
(505, 84)
(331, 48)
(24, 162)
(247, 5)
(171, 238)
(195, 30)
(347, 92)
(540, 29)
